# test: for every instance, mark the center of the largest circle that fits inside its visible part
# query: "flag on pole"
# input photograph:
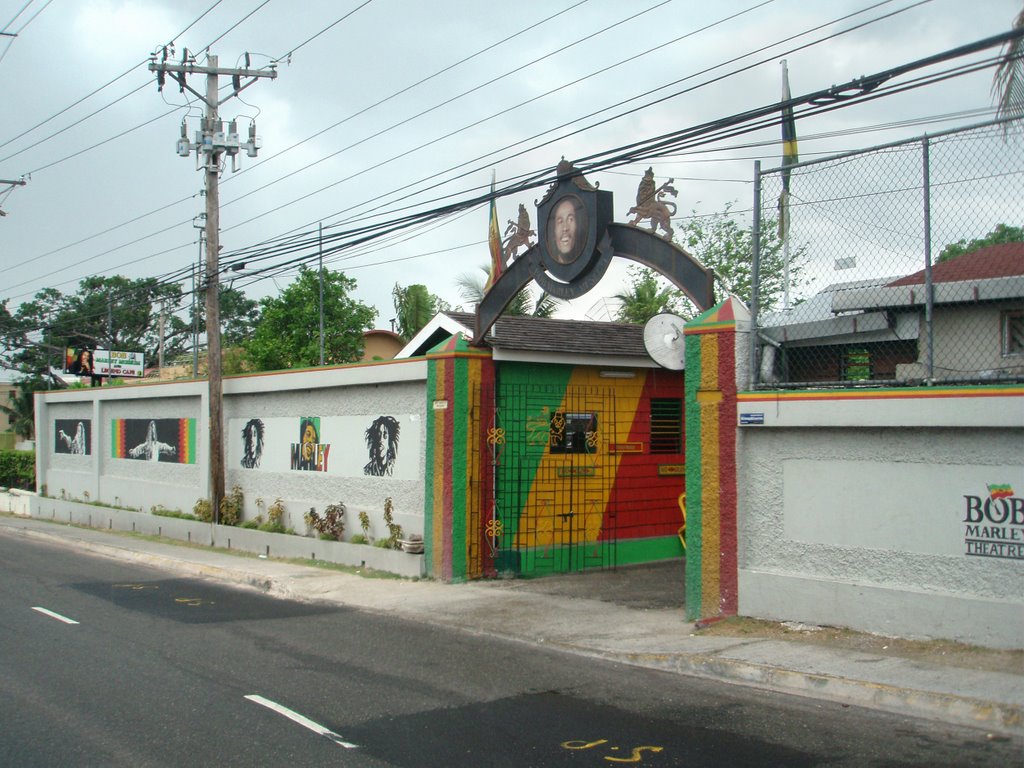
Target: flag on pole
(494, 243)
(789, 151)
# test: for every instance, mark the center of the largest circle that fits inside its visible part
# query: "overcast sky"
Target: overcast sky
(348, 128)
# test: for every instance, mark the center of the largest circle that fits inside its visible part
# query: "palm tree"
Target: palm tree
(1008, 81)
(414, 308)
(471, 289)
(645, 298)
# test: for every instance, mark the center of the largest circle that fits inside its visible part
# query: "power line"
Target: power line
(356, 114)
(105, 85)
(542, 144)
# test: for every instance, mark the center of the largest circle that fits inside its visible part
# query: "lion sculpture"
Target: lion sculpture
(650, 204)
(519, 234)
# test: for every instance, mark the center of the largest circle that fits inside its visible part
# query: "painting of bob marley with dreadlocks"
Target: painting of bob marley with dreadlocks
(252, 437)
(382, 443)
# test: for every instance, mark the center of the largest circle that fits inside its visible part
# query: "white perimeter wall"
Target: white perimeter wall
(861, 513)
(341, 398)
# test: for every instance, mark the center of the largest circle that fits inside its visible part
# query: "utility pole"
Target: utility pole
(12, 185)
(160, 345)
(211, 143)
(321, 294)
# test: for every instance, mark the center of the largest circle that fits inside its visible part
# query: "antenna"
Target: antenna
(664, 341)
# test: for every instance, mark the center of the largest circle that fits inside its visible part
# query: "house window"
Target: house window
(666, 425)
(573, 432)
(1013, 332)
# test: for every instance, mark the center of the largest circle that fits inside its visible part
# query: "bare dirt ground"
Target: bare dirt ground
(943, 652)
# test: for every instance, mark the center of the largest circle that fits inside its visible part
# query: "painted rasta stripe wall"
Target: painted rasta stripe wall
(503, 492)
(621, 491)
(457, 374)
(711, 500)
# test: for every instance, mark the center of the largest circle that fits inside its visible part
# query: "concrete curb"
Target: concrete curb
(930, 705)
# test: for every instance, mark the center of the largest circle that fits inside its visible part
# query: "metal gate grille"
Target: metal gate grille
(551, 479)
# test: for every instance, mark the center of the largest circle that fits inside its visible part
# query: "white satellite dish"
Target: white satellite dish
(664, 341)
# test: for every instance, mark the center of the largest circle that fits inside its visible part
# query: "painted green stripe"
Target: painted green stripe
(460, 466)
(430, 467)
(694, 480)
(546, 385)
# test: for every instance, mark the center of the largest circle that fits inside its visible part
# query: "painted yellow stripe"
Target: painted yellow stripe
(595, 491)
(440, 471)
(473, 385)
(882, 394)
(710, 410)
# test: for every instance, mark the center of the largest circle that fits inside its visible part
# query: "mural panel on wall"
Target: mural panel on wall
(72, 436)
(167, 440)
(386, 445)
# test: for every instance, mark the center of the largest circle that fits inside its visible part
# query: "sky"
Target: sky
(384, 106)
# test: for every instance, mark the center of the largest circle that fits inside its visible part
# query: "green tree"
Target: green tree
(239, 316)
(414, 308)
(1001, 234)
(21, 406)
(649, 294)
(471, 289)
(722, 243)
(112, 312)
(288, 333)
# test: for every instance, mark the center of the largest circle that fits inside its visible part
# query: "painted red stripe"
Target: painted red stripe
(727, 537)
(447, 501)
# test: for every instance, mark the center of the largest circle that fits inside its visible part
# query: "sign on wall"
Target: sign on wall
(961, 510)
(72, 436)
(384, 445)
(167, 440)
(994, 523)
(104, 362)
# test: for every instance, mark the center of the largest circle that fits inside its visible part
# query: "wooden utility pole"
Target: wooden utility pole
(211, 144)
(12, 185)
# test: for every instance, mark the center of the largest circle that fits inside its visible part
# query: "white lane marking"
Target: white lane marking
(305, 722)
(53, 615)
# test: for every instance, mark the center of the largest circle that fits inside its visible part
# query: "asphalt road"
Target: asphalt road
(166, 671)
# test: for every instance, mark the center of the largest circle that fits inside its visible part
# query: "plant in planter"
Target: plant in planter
(331, 525)
(231, 506)
(364, 523)
(394, 530)
(203, 510)
(275, 518)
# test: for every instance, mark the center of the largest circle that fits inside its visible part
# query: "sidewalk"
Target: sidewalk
(613, 615)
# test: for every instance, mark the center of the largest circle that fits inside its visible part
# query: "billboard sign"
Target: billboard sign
(116, 363)
(104, 362)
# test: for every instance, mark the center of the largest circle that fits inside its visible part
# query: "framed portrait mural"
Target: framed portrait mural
(374, 445)
(72, 436)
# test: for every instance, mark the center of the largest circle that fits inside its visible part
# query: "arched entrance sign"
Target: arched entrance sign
(577, 240)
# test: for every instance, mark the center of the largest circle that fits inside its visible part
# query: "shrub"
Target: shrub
(359, 539)
(18, 470)
(275, 518)
(165, 512)
(331, 525)
(203, 510)
(394, 530)
(231, 506)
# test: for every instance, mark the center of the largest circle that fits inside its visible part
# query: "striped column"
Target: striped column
(711, 499)
(456, 374)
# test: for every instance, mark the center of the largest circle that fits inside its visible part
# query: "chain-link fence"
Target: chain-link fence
(900, 265)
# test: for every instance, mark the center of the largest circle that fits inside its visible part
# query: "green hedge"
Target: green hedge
(18, 469)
